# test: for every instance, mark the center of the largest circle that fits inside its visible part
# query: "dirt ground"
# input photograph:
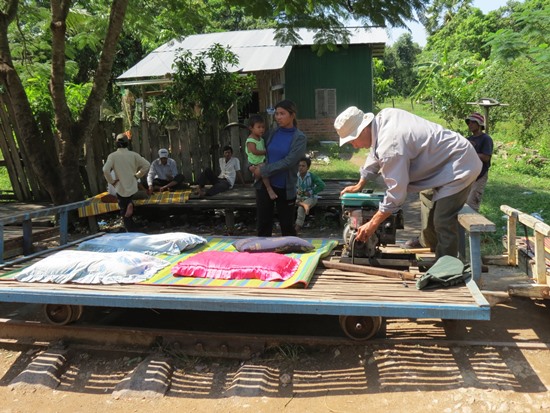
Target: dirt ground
(509, 372)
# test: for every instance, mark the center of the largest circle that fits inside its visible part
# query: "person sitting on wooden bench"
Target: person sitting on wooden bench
(163, 175)
(230, 168)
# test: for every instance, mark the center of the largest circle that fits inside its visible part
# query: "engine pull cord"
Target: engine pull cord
(353, 247)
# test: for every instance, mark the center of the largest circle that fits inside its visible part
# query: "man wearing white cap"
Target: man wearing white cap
(413, 155)
(163, 174)
(483, 144)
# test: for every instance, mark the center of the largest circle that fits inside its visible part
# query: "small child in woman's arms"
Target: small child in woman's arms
(255, 148)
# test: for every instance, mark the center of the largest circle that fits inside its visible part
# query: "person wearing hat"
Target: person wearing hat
(163, 174)
(413, 154)
(128, 167)
(483, 144)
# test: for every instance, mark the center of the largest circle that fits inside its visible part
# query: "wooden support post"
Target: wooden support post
(92, 224)
(229, 219)
(461, 244)
(511, 239)
(1, 243)
(540, 259)
(475, 224)
(475, 256)
(27, 236)
(63, 227)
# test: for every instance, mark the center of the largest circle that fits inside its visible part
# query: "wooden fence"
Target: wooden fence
(192, 149)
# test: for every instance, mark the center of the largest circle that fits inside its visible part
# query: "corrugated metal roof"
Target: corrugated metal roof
(256, 49)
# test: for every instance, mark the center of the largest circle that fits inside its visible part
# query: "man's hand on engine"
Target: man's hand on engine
(365, 231)
(358, 187)
(349, 189)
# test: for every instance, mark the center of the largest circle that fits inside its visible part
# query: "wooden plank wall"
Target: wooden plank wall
(12, 157)
(192, 149)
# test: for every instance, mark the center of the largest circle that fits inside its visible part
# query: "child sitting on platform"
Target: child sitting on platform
(308, 187)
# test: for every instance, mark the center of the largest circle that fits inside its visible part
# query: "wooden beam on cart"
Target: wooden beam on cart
(26, 220)
(540, 229)
(474, 224)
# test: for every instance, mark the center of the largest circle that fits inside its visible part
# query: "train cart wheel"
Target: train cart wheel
(77, 312)
(360, 327)
(59, 314)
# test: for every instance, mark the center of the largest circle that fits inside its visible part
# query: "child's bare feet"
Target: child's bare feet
(129, 210)
(305, 206)
(272, 194)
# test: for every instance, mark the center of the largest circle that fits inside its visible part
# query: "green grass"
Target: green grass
(5, 183)
(419, 109)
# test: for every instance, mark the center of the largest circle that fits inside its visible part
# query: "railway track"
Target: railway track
(223, 344)
(137, 361)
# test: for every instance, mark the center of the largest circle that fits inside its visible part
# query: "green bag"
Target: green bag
(446, 272)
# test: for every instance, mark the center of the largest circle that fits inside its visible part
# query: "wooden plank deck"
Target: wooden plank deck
(244, 196)
(331, 292)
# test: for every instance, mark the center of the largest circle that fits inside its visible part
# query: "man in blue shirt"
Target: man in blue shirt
(483, 144)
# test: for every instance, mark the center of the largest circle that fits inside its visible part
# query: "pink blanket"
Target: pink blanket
(265, 266)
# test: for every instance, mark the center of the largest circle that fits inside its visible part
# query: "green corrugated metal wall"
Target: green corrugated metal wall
(349, 71)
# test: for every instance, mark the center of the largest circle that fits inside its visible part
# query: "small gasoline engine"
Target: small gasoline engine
(358, 209)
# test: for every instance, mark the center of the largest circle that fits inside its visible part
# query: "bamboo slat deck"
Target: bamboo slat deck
(331, 292)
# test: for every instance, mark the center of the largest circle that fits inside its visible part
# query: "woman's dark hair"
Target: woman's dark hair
(255, 119)
(307, 160)
(290, 107)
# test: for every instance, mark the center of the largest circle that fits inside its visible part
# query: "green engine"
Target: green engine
(358, 209)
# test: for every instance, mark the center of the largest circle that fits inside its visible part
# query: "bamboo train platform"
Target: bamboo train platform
(360, 299)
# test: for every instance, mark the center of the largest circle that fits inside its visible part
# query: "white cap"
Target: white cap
(163, 153)
(350, 123)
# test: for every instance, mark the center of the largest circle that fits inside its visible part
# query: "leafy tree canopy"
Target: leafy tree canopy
(328, 16)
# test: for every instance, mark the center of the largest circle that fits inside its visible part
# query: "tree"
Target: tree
(440, 13)
(519, 73)
(211, 89)
(327, 16)
(62, 179)
(60, 44)
(400, 60)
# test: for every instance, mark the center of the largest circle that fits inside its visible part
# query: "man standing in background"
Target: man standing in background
(128, 166)
(483, 144)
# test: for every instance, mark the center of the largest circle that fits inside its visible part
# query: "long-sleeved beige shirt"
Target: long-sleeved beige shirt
(129, 167)
(413, 154)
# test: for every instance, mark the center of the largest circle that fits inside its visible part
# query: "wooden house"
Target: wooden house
(320, 85)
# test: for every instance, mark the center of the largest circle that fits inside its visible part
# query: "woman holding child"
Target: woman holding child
(285, 146)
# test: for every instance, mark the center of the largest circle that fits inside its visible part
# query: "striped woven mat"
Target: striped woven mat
(97, 206)
(302, 277)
